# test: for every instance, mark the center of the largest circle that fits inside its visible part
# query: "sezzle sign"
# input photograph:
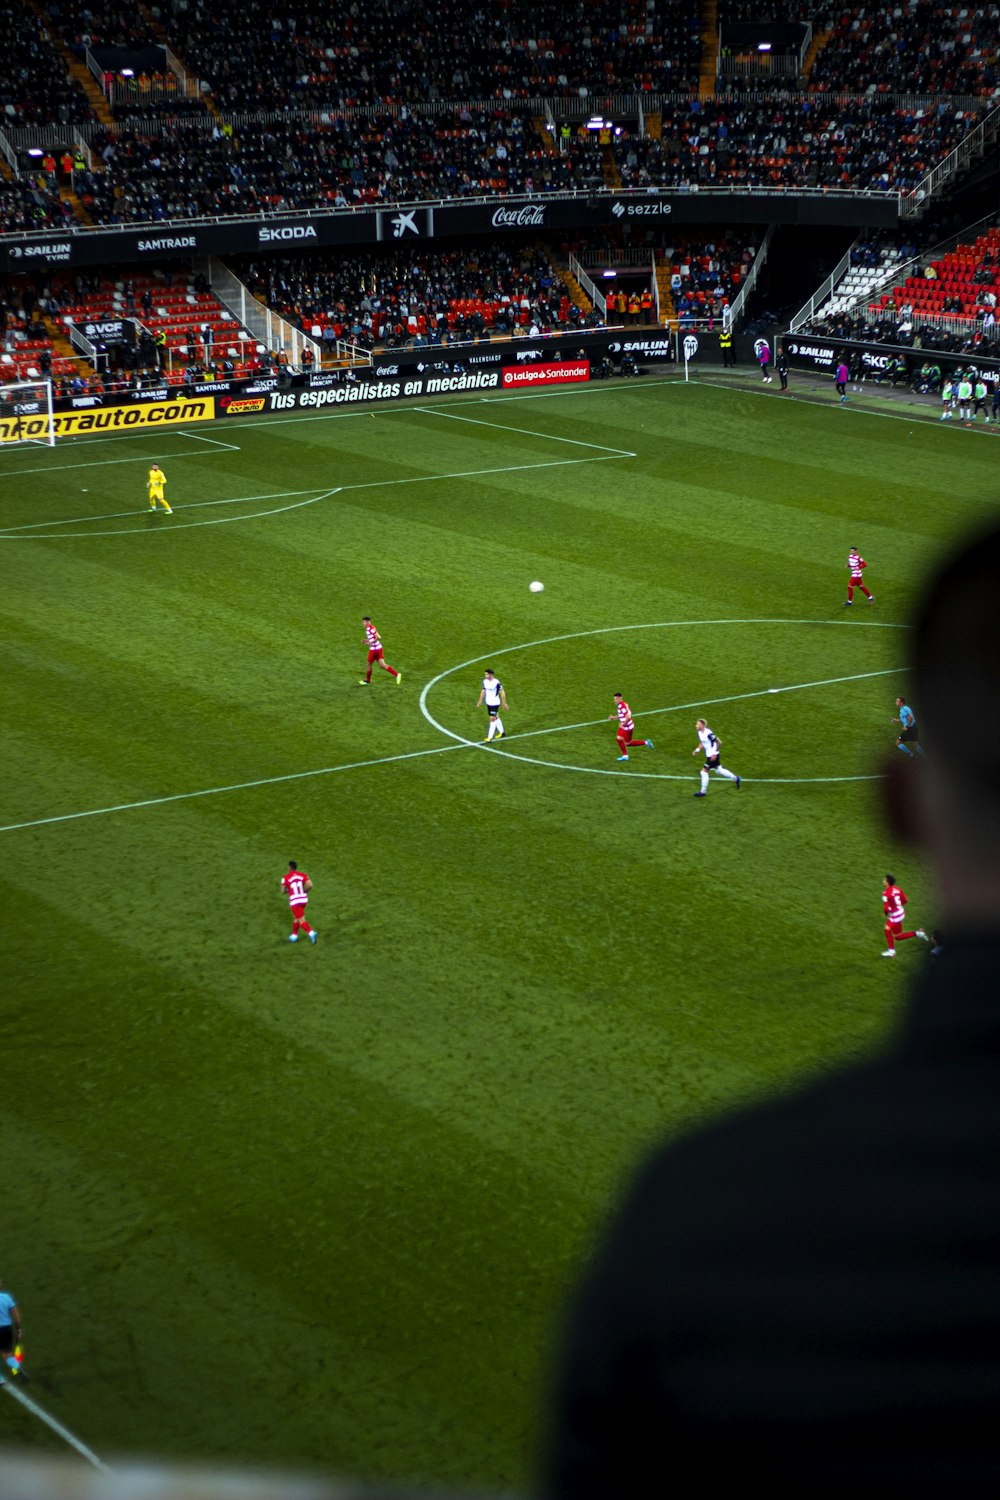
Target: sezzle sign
(530, 216)
(564, 372)
(653, 209)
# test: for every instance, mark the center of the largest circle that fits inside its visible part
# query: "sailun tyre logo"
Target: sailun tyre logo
(529, 217)
(287, 232)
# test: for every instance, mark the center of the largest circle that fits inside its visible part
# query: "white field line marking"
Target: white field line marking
(674, 708)
(57, 1427)
(199, 437)
(525, 432)
(460, 744)
(862, 411)
(15, 534)
(238, 786)
(340, 416)
(101, 463)
(46, 536)
(121, 515)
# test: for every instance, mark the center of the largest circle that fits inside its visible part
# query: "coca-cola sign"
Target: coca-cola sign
(529, 216)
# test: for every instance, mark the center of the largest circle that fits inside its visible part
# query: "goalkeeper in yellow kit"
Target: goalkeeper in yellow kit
(157, 479)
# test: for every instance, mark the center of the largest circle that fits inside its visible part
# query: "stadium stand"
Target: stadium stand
(35, 88)
(914, 47)
(415, 295)
(398, 51)
(946, 300)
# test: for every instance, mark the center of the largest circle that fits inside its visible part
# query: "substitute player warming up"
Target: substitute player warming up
(712, 746)
(626, 729)
(157, 479)
(375, 654)
(893, 904)
(296, 885)
(857, 566)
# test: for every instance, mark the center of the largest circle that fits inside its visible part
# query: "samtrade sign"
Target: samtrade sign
(109, 419)
(564, 372)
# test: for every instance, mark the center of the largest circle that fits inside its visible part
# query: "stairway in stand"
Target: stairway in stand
(545, 135)
(668, 313)
(654, 126)
(709, 48)
(574, 290)
(156, 28)
(609, 167)
(819, 41)
(63, 349)
(78, 71)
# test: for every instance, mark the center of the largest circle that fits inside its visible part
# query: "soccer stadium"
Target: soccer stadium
(571, 402)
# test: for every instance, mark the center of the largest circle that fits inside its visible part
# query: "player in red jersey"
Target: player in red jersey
(626, 728)
(296, 885)
(893, 904)
(857, 566)
(375, 654)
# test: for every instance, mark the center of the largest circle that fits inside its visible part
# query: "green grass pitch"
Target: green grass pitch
(320, 1206)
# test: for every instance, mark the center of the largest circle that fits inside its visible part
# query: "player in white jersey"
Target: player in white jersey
(711, 745)
(495, 699)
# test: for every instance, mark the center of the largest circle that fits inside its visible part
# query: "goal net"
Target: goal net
(26, 414)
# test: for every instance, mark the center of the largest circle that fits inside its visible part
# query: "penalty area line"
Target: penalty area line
(56, 1426)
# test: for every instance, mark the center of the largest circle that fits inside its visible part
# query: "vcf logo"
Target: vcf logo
(404, 224)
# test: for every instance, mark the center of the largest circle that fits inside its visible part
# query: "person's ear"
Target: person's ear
(901, 785)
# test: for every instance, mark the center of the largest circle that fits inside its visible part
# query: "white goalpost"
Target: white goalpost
(26, 413)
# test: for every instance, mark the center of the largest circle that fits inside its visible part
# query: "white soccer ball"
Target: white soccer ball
(536, 587)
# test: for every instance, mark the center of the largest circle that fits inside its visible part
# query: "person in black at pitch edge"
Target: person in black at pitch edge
(808, 1292)
(781, 365)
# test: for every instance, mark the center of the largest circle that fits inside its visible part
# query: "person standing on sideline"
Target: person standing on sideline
(711, 746)
(296, 886)
(376, 654)
(781, 365)
(726, 345)
(10, 1332)
(841, 378)
(495, 699)
(965, 398)
(157, 479)
(808, 1290)
(948, 400)
(909, 735)
(626, 729)
(894, 900)
(762, 349)
(857, 566)
(980, 394)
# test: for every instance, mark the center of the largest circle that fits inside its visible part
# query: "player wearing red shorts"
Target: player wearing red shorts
(296, 885)
(375, 654)
(893, 903)
(857, 566)
(626, 728)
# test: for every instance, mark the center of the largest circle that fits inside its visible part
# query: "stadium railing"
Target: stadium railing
(974, 145)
